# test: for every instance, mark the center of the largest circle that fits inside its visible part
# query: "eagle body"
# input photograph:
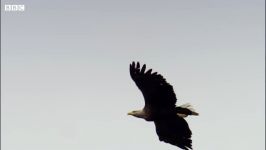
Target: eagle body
(160, 107)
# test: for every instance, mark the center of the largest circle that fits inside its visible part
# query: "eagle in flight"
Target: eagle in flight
(160, 107)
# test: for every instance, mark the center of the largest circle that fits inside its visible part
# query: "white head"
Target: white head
(137, 113)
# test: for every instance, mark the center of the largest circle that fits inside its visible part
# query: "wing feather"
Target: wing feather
(142, 71)
(174, 130)
(155, 89)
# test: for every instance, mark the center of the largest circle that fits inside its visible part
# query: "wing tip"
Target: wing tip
(136, 64)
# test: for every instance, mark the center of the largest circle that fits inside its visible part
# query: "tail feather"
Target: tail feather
(185, 110)
(188, 106)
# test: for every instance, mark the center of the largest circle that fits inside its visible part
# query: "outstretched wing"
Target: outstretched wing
(156, 91)
(174, 130)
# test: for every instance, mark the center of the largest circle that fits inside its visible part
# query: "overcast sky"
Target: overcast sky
(66, 84)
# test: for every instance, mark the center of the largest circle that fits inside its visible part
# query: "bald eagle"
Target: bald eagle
(160, 107)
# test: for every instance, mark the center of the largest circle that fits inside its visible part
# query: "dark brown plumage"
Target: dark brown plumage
(160, 107)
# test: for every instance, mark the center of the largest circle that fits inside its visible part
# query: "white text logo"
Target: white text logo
(14, 7)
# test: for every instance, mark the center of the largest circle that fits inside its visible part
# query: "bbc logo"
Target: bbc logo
(14, 7)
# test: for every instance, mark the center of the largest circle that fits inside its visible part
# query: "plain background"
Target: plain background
(66, 84)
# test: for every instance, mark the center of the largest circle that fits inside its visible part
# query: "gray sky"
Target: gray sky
(66, 85)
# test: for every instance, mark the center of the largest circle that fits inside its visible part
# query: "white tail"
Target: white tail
(190, 107)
